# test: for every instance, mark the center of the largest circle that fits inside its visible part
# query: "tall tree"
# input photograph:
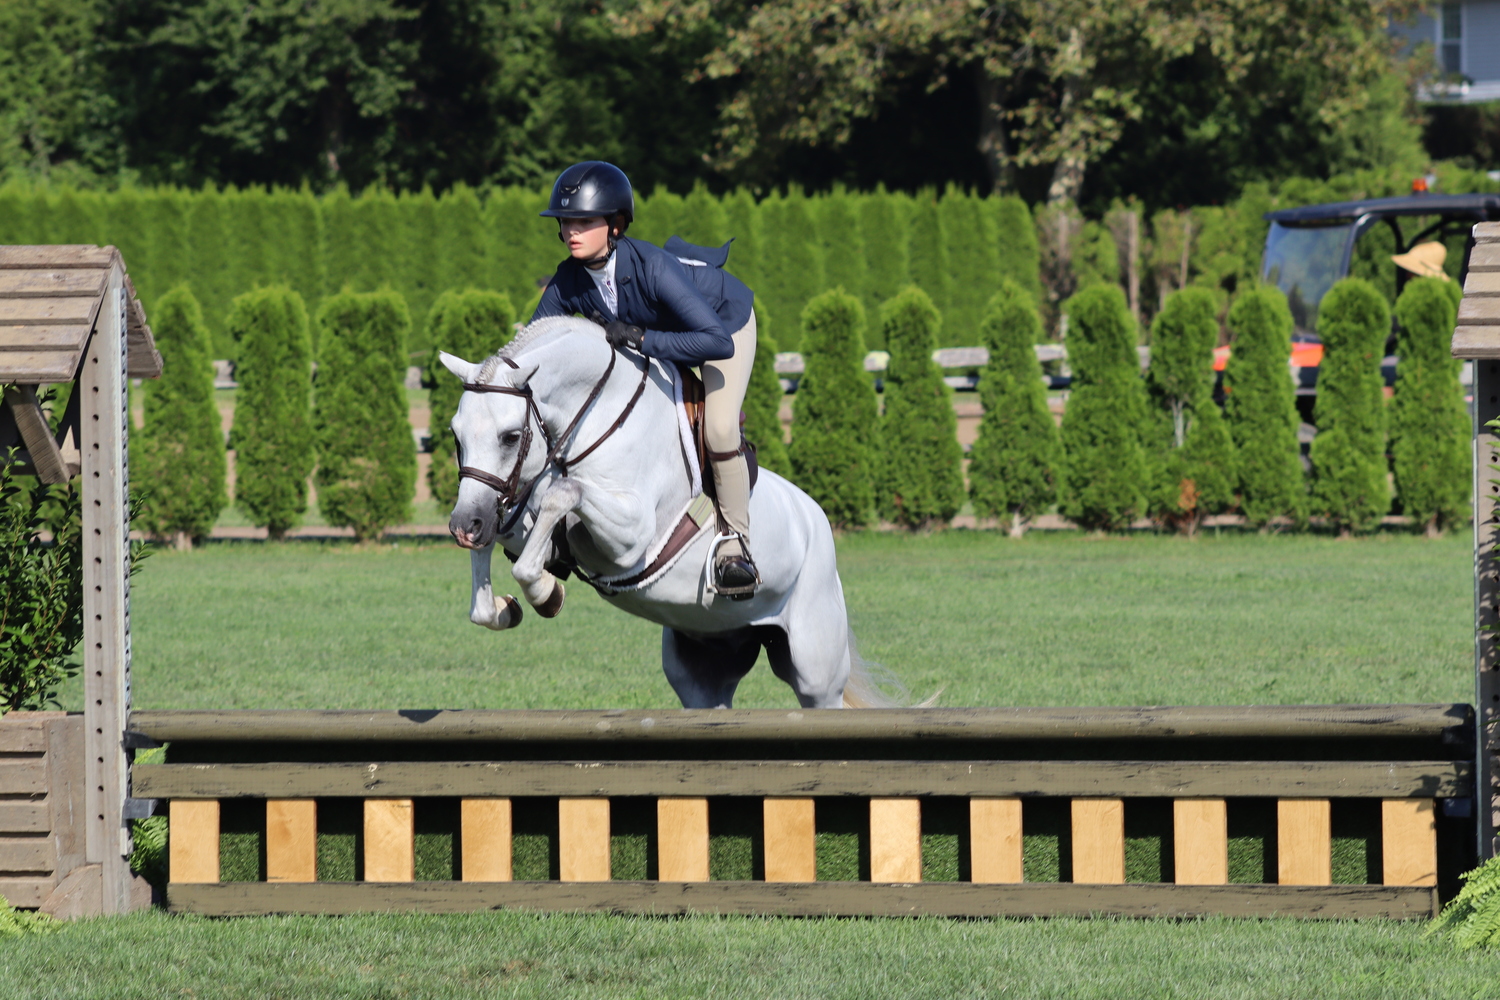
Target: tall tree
(1429, 421)
(1261, 406)
(472, 325)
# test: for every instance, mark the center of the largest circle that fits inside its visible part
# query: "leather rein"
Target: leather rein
(508, 491)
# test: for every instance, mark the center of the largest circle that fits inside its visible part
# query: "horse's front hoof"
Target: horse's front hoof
(507, 615)
(554, 602)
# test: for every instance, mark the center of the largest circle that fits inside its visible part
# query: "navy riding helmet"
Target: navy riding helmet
(591, 188)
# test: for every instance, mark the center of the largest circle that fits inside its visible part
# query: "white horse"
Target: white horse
(573, 451)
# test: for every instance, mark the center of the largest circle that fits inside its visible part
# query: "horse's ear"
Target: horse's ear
(518, 377)
(461, 369)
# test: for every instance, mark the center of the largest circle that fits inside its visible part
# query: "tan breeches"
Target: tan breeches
(725, 382)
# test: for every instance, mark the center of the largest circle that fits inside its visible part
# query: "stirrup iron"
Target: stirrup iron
(710, 568)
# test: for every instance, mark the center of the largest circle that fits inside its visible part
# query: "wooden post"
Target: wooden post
(485, 835)
(105, 422)
(390, 840)
(995, 840)
(1408, 841)
(1200, 841)
(682, 839)
(791, 840)
(583, 839)
(1304, 842)
(1099, 840)
(193, 841)
(895, 840)
(291, 840)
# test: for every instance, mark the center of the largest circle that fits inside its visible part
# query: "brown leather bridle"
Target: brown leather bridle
(509, 492)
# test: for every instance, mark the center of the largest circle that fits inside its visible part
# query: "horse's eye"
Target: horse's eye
(510, 437)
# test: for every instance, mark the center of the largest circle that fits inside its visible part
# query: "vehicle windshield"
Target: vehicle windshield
(1304, 262)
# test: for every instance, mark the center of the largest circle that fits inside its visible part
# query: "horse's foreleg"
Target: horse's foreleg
(542, 589)
(485, 610)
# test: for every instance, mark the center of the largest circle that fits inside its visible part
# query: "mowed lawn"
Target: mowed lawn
(1057, 618)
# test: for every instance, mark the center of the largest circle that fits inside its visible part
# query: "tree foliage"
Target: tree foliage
(182, 445)
(921, 481)
(1261, 406)
(273, 430)
(471, 324)
(1429, 421)
(1013, 464)
(833, 451)
(367, 461)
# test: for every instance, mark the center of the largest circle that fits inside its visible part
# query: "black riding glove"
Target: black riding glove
(620, 334)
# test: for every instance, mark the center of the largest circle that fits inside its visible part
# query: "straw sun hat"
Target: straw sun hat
(1425, 259)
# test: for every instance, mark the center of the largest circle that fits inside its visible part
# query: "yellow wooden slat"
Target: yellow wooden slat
(583, 839)
(682, 839)
(995, 840)
(791, 840)
(390, 840)
(1408, 846)
(1304, 842)
(1200, 841)
(291, 840)
(1099, 841)
(895, 840)
(193, 840)
(485, 836)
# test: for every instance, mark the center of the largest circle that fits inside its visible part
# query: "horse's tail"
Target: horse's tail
(869, 683)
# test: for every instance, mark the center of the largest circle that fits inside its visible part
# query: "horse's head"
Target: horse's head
(493, 430)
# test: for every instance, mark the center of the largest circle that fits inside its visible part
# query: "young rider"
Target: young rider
(684, 309)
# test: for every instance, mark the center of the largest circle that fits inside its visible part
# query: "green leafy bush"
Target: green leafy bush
(1472, 918)
(273, 436)
(763, 401)
(1104, 471)
(1013, 465)
(367, 461)
(921, 479)
(1429, 421)
(471, 324)
(1261, 406)
(181, 452)
(14, 922)
(833, 433)
(1348, 455)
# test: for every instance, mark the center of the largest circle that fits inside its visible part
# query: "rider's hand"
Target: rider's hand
(621, 334)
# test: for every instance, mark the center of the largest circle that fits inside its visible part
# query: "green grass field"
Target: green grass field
(1058, 618)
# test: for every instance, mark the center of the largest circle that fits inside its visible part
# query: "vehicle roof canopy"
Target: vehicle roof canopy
(1479, 207)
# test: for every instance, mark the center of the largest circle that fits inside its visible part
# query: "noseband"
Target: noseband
(509, 492)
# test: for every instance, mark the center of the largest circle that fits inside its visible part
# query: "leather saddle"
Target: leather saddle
(693, 397)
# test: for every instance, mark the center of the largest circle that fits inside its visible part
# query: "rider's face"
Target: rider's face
(586, 238)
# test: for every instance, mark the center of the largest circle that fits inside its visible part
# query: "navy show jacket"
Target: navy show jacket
(688, 313)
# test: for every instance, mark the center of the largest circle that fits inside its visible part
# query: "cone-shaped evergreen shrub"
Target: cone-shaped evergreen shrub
(1194, 469)
(182, 446)
(791, 263)
(833, 434)
(273, 435)
(842, 243)
(1260, 404)
(1013, 465)
(1020, 256)
(743, 224)
(974, 264)
(702, 220)
(921, 480)
(882, 223)
(763, 401)
(473, 325)
(928, 252)
(1105, 472)
(1429, 422)
(367, 462)
(1348, 455)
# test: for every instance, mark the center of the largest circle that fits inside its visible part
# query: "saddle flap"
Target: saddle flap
(694, 401)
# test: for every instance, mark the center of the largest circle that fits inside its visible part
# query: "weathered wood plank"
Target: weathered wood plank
(42, 338)
(25, 817)
(56, 256)
(48, 284)
(193, 841)
(1181, 779)
(291, 840)
(26, 893)
(1304, 846)
(791, 840)
(1482, 283)
(27, 854)
(1408, 845)
(46, 456)
(953, 899)
(26, 732)
(48, 312)
(1475, 342)
(1269, 722)
(1484, 257)
(23, 776)
(1481, 312)
(1098, 841)
(895, 840)
(583, 839)
(485, 840)
(39, 367)
(390, 840)
(682, 838)
(995, 840)
(1200, 841)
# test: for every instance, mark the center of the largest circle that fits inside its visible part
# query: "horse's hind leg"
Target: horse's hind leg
(813, 660)
(705, 671)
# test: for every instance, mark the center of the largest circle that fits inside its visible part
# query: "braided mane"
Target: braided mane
(541, 329)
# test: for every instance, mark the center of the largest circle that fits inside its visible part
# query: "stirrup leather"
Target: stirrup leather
(710, 567)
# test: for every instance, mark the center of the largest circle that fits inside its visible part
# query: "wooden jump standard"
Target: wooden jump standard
(1002, 761)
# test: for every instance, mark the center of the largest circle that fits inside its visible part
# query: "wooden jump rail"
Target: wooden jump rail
(1415, 760)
